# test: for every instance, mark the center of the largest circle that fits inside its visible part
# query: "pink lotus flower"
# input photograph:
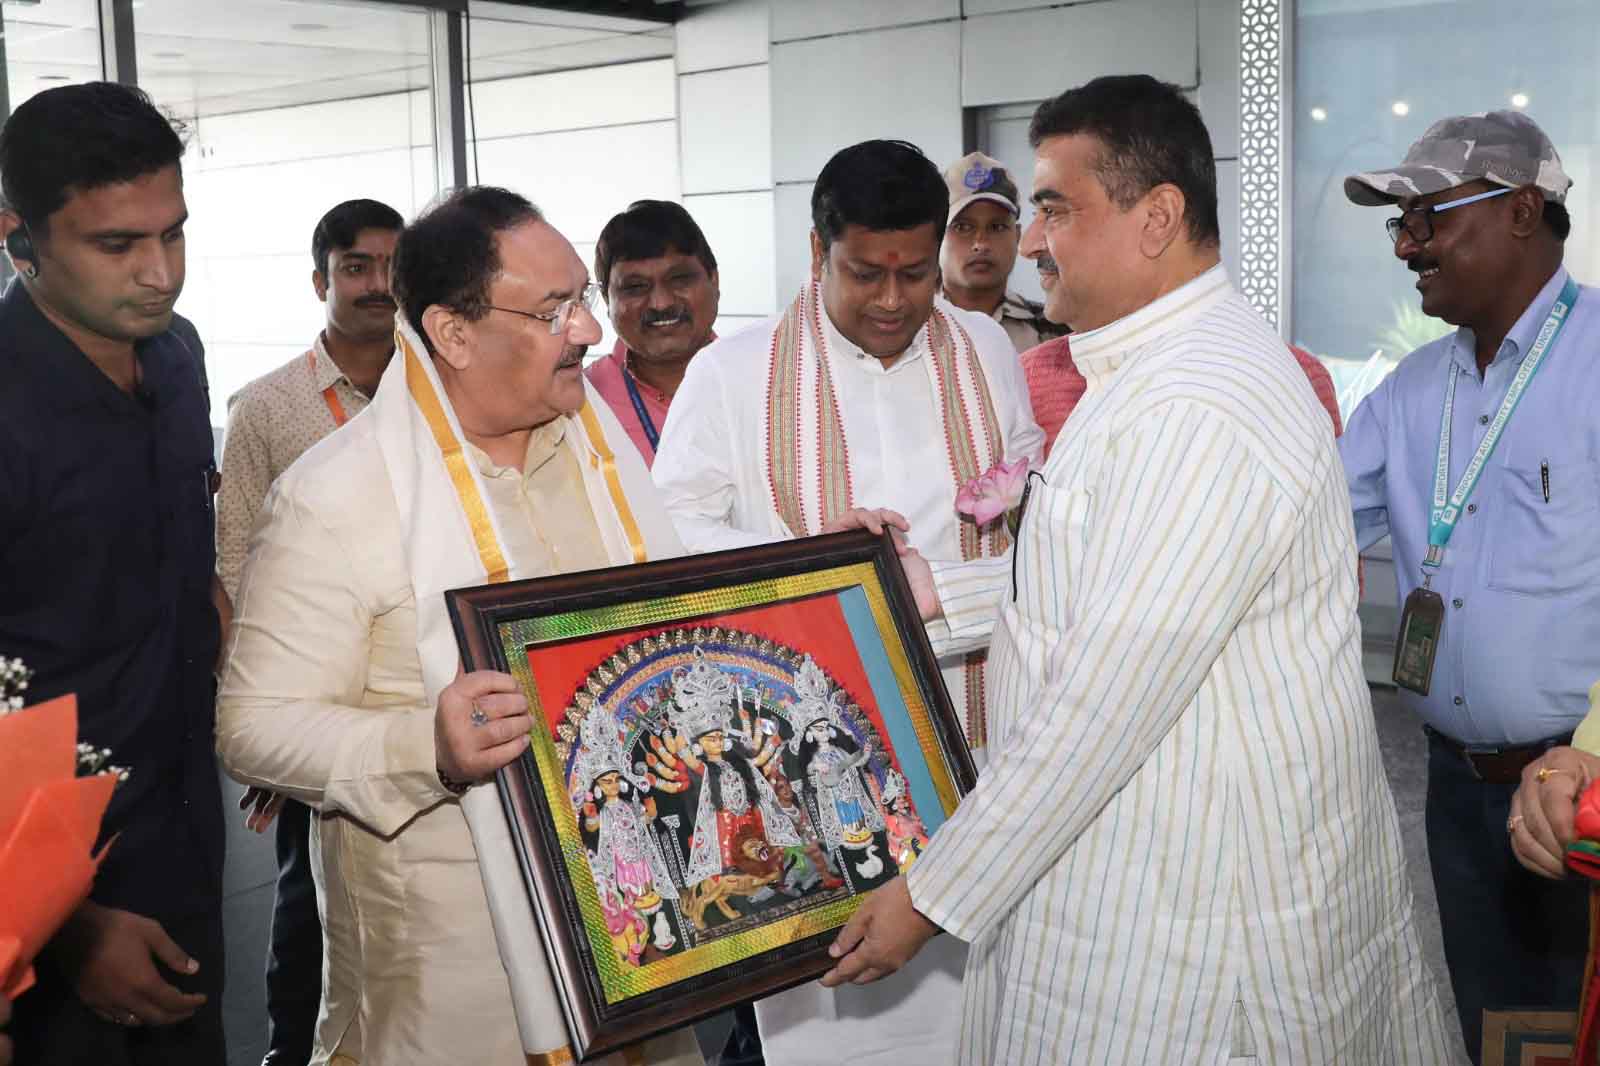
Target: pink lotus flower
(994, 492)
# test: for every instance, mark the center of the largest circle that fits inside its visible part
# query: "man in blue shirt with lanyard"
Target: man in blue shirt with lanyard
(1480, 457)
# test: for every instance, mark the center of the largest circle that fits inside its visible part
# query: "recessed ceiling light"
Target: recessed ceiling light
(52, 77)
(1519, 100)
(166, 55)
(308, 27)
(1319, 114)
(1400, 108)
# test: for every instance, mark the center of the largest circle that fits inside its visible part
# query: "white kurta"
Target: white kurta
(1184, 813)
(710, 471)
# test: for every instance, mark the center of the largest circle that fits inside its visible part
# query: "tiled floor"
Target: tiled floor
(250, 871)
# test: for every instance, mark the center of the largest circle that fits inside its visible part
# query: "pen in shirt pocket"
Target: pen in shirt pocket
(1544, 478)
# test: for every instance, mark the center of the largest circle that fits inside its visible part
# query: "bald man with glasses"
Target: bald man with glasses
(1480, 458)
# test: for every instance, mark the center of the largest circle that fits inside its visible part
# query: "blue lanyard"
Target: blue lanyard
(1447, 511)
(645, 420)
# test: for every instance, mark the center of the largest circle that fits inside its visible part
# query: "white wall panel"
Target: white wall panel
(724, 35)
(739, 228)
(581, 178)
(1228, 214)
(575, 99)
(726, 130)
(342, 127)
(226, 206)
(1218, 95)
(831, 93)
(794, 19)
(792, 222)
(1034, 55)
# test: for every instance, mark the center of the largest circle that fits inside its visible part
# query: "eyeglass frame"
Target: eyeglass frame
(1397, 225)
(561, 317)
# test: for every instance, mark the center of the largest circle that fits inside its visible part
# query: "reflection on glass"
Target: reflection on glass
(1369, 91)
(53, 42)
(291, 107)
(576, 112)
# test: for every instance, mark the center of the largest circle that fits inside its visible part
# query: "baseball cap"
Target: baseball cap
(1505, 147)
(979, 177)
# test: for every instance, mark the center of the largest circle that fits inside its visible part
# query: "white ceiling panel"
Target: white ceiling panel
(213, 57)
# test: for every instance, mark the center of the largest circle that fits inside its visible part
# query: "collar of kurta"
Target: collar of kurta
(1100, 353)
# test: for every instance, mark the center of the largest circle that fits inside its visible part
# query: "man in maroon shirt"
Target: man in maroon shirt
(660, 283)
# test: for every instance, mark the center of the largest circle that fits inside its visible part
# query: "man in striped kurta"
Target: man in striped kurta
(1183, 846)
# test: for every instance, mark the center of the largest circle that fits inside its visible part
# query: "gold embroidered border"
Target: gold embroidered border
(455, 462)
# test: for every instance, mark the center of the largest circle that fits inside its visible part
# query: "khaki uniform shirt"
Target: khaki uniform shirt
(1024, 322)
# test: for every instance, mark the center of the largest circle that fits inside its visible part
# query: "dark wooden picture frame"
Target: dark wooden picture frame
(563, 623)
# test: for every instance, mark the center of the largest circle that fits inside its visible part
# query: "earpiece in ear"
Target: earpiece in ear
(19, 245)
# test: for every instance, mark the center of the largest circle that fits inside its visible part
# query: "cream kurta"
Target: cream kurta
(323, 700)
(1184, 811)
(710, 470)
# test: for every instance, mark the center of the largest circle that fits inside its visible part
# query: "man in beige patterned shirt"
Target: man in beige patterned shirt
(271, 422)
(276, 417)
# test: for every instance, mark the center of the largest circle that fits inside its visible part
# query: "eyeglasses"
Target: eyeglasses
(561, 317)
(1418, 221)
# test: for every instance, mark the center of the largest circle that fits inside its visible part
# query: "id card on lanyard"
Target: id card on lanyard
(1422, 617)
(646, 423)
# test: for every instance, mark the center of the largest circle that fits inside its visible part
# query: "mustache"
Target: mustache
(572, 355)
(1418, 264)
(1046, 264)
(376, 301)
(671, 314)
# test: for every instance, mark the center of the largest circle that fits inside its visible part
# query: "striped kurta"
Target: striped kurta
(1184, 828)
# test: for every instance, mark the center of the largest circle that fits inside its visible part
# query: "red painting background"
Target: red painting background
(814, 624)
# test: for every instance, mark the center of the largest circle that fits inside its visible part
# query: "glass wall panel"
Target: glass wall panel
(578, 113)
(45, 43)
(292, 107)
(1370, 77)
(42, 44)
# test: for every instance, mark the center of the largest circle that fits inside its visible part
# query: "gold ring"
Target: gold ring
(1547, 772)
(1512, 823)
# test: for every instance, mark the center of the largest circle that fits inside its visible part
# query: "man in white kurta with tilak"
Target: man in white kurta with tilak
(1182, 848)
(868, 401)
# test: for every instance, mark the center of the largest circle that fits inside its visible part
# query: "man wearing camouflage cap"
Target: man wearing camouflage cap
(1478, 457)
(980, 248)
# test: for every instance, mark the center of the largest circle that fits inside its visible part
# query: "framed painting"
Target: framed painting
(729, 751)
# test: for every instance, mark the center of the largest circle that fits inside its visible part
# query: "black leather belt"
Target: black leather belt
(1499, 766)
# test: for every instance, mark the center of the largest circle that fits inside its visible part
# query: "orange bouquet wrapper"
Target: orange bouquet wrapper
(49, 818)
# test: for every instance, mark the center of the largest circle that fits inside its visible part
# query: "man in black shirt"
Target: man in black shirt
(107, 561)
